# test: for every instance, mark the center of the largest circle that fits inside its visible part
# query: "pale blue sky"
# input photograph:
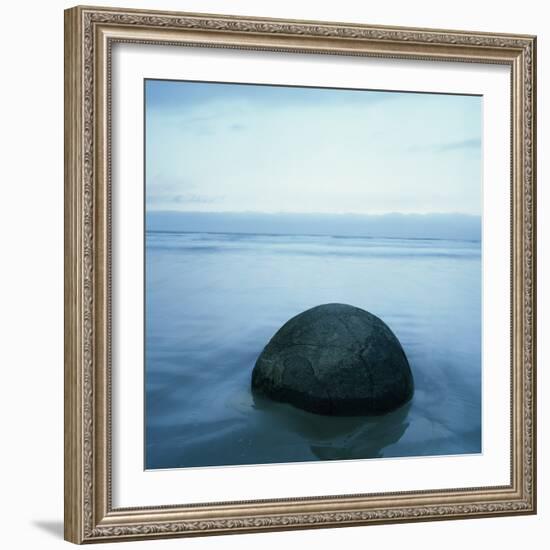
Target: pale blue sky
(246, 148)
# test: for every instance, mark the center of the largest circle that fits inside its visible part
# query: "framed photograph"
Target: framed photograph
(300, 274)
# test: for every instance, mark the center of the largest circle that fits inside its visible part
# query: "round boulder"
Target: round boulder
(335, 359)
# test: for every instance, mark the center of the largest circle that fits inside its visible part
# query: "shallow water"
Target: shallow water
(214, 300)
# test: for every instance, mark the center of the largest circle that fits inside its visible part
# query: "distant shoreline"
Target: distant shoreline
(250, 234)
(454, 227)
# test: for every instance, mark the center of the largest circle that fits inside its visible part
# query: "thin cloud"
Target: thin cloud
(473, 143)
(154, 199)
(237, 127)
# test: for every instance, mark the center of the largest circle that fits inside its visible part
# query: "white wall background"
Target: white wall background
(31, 289)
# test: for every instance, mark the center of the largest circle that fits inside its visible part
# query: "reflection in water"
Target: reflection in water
(337, 437)
(214, 301)
(367, 440)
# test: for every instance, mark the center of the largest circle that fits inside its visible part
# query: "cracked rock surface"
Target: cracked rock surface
(335, 359)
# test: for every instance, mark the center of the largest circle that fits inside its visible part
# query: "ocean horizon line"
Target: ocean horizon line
(412, 226)
(257, 234)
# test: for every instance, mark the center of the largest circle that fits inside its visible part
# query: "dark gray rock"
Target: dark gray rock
(335, 359)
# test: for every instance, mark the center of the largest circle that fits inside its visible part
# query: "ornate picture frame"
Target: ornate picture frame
(90, 35)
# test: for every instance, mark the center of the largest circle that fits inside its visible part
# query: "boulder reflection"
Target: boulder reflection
(337, 437)
(367, 440)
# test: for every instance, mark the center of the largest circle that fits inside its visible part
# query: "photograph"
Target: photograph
(313, 274)
(300, 262)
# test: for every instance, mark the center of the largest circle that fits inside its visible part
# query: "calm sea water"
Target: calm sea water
(214, 300)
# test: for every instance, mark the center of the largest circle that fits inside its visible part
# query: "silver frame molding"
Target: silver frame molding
(89, 36)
